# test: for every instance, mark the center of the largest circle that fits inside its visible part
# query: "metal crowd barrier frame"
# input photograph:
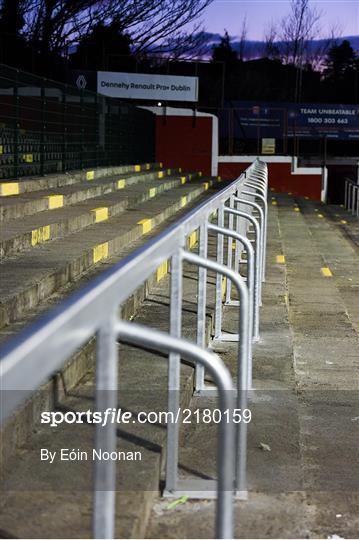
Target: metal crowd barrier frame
(351, 196)
(32, 357)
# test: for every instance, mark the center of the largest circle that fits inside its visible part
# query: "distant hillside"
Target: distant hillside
(255, 49)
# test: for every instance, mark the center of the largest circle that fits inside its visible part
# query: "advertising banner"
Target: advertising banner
(147, 86)
(305, 120)
(317, 120)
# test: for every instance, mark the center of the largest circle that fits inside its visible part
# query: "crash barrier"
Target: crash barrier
(351, 196)
(37, 353)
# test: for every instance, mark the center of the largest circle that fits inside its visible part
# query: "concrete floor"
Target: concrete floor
(305, 405)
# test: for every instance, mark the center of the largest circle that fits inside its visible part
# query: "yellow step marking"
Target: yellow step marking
(274, 203)
(320, 216)
(101, 214)
(121, 184)
(286, 299)
(40, 235)
(90, 175)
(183, 179)
(161, 165)
(224, 286)
(148, 166)
(9, 188)
(200, 173)
(169, 171)
(28, 158)
(160, 174)
(137, 168)
(162, 271)
(1, 149)
(146, 225)
(100, 252)
(326, 271)
(219, 179)
(192, 239)
(152, 192)
(296, 209)
(55, 201)
(180, 169)
(205, 185)
(183, 201)
(280, 259)
(343, 221)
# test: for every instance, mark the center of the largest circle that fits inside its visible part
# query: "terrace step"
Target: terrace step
(39, 273)
(19, 235)
(51, 181)
(18, 206)
(23, 428)
(142, 387)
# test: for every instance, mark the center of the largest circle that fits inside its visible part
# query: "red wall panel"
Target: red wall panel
(280, 178)
(182, 141)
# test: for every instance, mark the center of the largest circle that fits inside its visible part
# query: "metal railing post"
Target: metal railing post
(218, 301)
(257, 187)
(150, 338)
(242, 365)
(257, 283)
(105, 436)
(250, 281)
(174, 369)
(265, 217)
(229, 251)
(201, 303)
(262, 225)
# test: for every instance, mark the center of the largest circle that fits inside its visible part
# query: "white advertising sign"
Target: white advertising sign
(143, 86)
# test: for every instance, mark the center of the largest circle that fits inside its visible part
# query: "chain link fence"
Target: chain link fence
(47, 127)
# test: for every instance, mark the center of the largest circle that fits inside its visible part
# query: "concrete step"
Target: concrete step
(51, 181)
(71, 512)
(22, 234)
(23, 421)
(30, 203)
(65, 492)
(39, 273)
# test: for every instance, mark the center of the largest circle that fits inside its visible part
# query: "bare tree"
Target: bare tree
(243, 39)
(155, 25)
(316, 55)
(297, 29)
(271, 48)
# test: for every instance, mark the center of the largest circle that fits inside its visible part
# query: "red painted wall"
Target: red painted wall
(280, 178)
(182, 141)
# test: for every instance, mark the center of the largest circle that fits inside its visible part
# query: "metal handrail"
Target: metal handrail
(33, 356)
(351, 196)
(150, 338)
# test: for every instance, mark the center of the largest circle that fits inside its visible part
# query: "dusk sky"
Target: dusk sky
(229, 14)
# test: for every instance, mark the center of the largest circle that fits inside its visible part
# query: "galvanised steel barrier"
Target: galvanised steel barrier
(351, 196)
(38, 352)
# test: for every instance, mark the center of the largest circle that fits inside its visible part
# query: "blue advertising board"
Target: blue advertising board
(332, 121)
(305, 120)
